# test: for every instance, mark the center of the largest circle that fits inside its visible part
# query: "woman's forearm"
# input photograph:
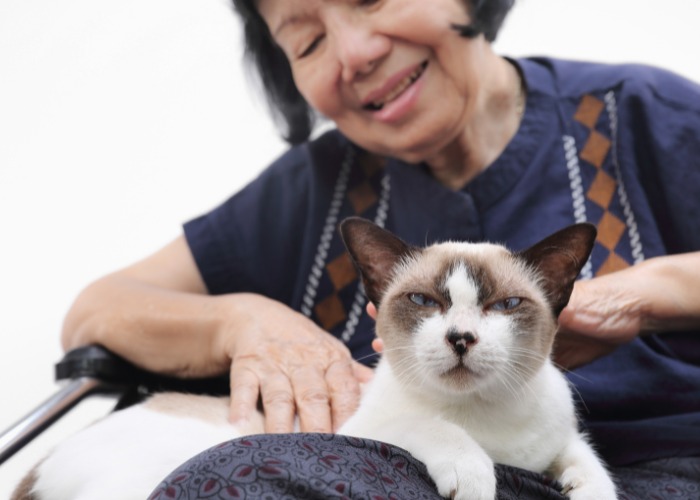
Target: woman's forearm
(672, 287)
(157, 314)
(162, 330)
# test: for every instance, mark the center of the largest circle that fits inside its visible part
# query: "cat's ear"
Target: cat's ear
(560, 258)
(375, 252)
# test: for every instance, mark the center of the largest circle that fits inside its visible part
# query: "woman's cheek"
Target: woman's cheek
(317, 84)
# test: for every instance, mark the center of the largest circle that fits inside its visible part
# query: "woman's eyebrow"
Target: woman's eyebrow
(290, 21)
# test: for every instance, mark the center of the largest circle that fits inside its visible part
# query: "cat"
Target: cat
(464, 381)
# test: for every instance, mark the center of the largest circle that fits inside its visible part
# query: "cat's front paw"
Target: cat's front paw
(464, 478)
(577, 486)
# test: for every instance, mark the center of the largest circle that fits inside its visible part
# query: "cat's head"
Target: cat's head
(464, 317)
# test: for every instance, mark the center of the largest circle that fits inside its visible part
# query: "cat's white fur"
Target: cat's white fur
(126, 455)
(502, 402)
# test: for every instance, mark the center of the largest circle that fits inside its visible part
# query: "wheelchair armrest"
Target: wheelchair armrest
(95, 361)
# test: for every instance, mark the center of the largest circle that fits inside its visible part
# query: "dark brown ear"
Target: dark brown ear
(375, 252)
(560, 258)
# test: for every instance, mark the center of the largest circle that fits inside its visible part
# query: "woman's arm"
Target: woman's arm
(658, 295)
(157, 314)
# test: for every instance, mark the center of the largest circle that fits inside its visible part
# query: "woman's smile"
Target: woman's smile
(397, 96)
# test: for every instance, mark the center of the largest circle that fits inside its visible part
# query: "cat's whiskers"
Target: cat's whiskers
(368, 356)
(518, 385)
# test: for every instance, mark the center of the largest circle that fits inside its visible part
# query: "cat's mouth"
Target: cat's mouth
(459, 373)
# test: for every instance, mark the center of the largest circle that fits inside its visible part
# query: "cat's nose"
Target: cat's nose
(461, 341)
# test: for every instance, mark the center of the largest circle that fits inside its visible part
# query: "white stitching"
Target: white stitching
(632, 228)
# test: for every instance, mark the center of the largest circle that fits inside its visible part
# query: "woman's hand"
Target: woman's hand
(605, 312)
(157, 314)
(295, 368)
(602, 314)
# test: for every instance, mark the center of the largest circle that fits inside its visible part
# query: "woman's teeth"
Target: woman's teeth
(399, 89)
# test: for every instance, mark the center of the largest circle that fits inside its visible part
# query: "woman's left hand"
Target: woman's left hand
(603, 313)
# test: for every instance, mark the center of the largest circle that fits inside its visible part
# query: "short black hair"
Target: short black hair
(291, 111)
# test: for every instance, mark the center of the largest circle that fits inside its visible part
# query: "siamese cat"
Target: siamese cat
(465, 379)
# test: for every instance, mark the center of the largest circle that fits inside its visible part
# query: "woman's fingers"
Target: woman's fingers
(313, 401)
(251, 382)
(245, 391)
(278, 403)
(344, 386)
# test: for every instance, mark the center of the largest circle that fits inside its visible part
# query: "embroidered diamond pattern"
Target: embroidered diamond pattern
(610, 230)
(361, 197)
(330, 311)
(613, 263)
(341, 271)
(589, 111)
(596, 149)
(603, 188)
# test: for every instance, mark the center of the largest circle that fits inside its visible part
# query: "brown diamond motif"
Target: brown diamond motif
(595, 149)
(341, 271)
(602, 189)
(610, 230)
(362, 197)
(330, 312)
(613, 263)
(589, 110)
(371, 164)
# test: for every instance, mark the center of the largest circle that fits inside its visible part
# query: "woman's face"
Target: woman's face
(392, 74)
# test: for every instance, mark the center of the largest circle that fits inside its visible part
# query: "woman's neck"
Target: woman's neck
(491, 126)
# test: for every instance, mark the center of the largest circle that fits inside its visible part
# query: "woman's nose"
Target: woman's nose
(359, 48)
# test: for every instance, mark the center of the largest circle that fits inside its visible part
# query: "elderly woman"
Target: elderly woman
(437, 138)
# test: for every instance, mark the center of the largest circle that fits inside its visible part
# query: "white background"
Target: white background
(121, 120)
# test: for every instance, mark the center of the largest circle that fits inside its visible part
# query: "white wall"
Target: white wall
(120, 120)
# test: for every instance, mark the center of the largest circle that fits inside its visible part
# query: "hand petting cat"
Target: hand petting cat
(605, 312)
(296, 368)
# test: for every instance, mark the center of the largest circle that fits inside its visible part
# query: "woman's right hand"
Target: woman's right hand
(294, 367)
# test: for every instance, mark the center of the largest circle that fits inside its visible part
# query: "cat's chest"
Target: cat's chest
(524, 432)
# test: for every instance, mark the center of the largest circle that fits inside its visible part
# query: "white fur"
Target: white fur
(124, 456)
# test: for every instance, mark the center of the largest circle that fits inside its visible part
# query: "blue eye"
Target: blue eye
(506, 304)
(422, 300)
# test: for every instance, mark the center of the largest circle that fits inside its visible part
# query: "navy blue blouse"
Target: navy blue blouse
(618, 146)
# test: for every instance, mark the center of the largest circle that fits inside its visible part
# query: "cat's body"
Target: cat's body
(465, 379)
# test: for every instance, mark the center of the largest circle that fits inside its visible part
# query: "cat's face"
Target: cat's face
(465, 317)
(461, 317)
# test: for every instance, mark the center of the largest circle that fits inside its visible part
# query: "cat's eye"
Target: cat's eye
(506, 304)
(422, 300)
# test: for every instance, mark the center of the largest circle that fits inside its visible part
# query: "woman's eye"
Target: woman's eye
(422, 300)
(312, 47)
(506, 304)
